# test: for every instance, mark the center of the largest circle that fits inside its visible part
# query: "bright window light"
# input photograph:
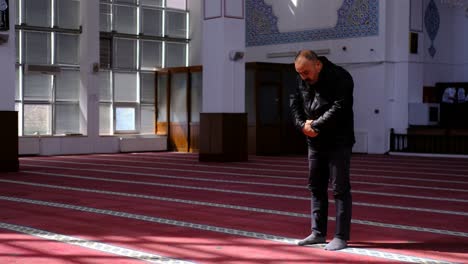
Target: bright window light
(177, 4)
(125, 119)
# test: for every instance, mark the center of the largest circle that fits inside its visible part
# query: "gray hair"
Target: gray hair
(308, 54)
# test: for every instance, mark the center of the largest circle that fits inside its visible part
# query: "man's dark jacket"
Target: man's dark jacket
(329, 102)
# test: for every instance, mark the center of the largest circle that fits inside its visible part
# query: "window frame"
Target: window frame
(135, 106)
(108, 61)
(51, 67)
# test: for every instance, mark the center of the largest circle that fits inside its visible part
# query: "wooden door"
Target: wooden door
(162, 103)
(268, 119)
(178, 110)
(196, 90)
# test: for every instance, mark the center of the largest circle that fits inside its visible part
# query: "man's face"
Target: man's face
(308, 70)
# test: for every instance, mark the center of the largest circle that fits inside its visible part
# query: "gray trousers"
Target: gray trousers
(330, 166)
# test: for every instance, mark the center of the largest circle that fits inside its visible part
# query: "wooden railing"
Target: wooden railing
(450, 142)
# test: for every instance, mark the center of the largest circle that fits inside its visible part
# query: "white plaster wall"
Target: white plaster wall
(397, 65)
(305, 14)
(450, 62)
(397, 85)
(460, 73)
(213, 74)
(67, 145)
(460, 44)
(370, 104)
(7, 65)
(223, 79)
(416, 61)
(415, 82)
(234, 98)
(359, 50)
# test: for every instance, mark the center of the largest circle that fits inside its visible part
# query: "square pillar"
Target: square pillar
(9, 133)
(223, 137)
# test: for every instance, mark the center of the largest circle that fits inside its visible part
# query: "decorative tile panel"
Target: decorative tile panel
(356, 18)
(432, 23)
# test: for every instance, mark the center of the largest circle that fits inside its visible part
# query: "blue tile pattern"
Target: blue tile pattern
(356, 18)
(432, 23)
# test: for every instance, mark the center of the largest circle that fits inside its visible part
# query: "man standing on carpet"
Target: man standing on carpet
(323, 110)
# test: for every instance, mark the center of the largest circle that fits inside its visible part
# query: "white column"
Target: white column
(9, 133)
(223, 64)
(89, 57)
(7, 63)
(398, 56)
(223, 121)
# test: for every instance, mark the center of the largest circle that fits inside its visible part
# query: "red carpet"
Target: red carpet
(171, 205)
